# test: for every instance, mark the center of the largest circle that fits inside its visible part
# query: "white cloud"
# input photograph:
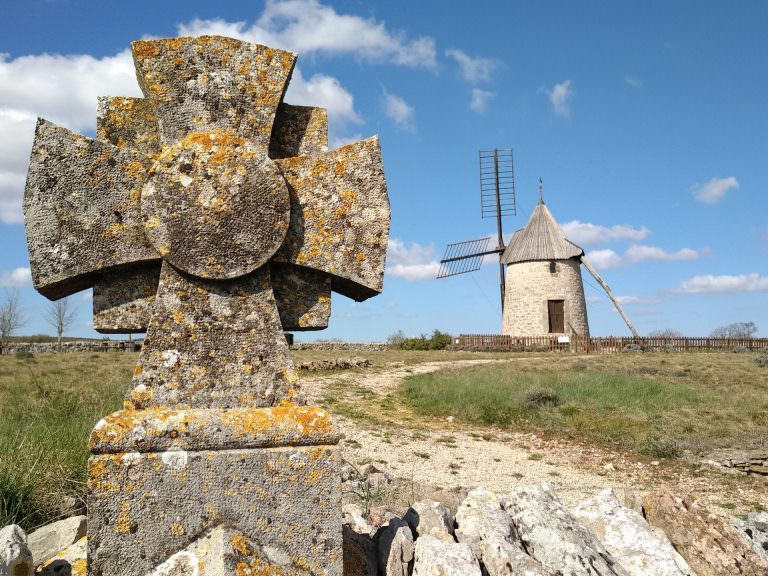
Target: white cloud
(416, 262)
(710, 284)
(714, 190)
(64, 89)
(326, 92)
(588, 234)
(308, 26)
(16, 278)
(559, 96)
(399, 111)
(60, 88)
(338, 141)
(630, 300)
(479, 100)
(639, 253)
(633, 81)
(604, 259)
(473, 70)
(592, 299)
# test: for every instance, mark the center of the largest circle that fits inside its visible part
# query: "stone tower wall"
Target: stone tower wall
(530, 285)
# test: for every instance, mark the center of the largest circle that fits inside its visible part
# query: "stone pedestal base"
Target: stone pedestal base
(166, 487)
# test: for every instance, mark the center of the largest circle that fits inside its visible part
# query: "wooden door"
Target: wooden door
(556, 311)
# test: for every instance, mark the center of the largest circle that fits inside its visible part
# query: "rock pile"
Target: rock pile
(744, 461)
(529, 532)
(335, 364)
(56, 549)
(355, 346)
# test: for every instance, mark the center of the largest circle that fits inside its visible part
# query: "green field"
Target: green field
(656, 404)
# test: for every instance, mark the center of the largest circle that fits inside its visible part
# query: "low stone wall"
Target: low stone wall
(352, 346)
(72, 346)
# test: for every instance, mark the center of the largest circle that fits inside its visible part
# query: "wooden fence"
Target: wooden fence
(607, 345)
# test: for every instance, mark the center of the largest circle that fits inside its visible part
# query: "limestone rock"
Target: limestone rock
(68, 562)
(755, 527)
(480, 515)
(396, 549)
(554, 537)
(437, 557)
(502, 558)
(641, 550)
(46, 542)
(15, 557)
(429, 517)
(353, 516)
(491, 534)
(709, 547)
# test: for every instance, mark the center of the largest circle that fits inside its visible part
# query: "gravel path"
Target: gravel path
(450, 456)
(460, 456)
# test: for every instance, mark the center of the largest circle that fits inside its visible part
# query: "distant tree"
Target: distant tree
(437, 341)
(61, 315)
(396, 339)
(735, 330)
(666, 333)
(11, 318)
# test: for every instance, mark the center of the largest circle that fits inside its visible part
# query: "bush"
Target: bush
(24, 355)
(437, 341)
(740, 350)
(762, 360)
(542, 397)
(634, 347)
(662, 448)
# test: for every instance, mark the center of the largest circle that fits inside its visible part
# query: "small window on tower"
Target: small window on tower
(553, 267)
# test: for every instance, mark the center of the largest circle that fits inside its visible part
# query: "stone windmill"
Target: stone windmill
(542, 292)
(210, 214)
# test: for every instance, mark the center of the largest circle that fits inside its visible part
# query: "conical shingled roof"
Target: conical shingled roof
(541, 239)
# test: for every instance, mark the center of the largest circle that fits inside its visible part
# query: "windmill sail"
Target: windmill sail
(463, 257)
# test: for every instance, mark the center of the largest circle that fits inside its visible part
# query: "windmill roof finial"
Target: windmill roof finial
(541, 191)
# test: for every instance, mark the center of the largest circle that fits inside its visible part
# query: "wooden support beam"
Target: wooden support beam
(602, 283)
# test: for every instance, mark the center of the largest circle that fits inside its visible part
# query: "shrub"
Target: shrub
(762, 360)
(633, 347)
(740, 350)
(542, 397)
(24, 355)
(662, 448)
(650, 370)
(437, 341)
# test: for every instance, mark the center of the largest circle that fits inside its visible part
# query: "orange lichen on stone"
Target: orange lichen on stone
(177, 529)
(123, 523)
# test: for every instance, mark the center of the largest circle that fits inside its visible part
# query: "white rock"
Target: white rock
(554, 537)
(428, 517)
(491, 534)
(436, 557)
(15, 557)
(480, 514)
(396, 549)
(49, 540)
(69, 561)
(503, 558)
(640, 549)
(755, 528)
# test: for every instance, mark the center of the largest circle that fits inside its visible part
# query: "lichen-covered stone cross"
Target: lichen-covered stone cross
(213, 180)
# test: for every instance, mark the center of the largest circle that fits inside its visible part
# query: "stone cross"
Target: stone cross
(211, 214)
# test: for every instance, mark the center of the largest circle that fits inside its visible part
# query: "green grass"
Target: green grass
(49, 403)
(721, 402)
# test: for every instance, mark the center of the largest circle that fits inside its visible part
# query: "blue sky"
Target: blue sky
(646, 121)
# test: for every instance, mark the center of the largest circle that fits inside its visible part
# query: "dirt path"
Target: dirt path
(450, 456)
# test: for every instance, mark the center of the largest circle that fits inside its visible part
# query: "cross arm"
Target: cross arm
(82, 209)
(339, 216)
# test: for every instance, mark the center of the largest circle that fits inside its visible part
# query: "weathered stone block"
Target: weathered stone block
(144, 507)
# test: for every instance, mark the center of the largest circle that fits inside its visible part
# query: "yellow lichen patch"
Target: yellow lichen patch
(240, 544)
(123, 522)
(360, 257)
(177, 529)
(114, 230)
(145, 49)
(178, 316)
